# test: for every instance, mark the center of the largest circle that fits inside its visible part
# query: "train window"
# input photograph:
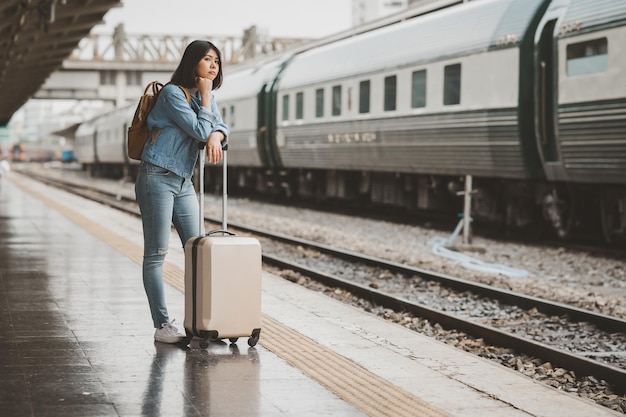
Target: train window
(299, 105)
(418, 93)
(232, 116)
(587, 57)
(336, 100)
(364, 96)
(286, 107)
(319, 102)
(452, 84)
(390, 93)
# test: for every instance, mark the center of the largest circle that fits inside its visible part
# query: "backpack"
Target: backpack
(138, 133)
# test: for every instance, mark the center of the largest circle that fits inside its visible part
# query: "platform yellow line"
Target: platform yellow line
(366, 391)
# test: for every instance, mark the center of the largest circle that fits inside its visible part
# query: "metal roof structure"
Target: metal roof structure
(36, 36)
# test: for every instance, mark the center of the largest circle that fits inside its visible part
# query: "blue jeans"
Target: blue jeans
(164, 198)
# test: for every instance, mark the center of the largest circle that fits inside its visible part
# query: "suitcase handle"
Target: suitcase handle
(222, 231)
(201, 146)
(201, 155)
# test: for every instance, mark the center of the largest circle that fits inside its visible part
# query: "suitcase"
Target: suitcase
(222, 280)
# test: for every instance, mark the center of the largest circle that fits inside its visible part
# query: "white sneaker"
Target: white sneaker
(168, 333)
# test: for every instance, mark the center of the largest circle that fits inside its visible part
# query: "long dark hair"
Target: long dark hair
(185, 74)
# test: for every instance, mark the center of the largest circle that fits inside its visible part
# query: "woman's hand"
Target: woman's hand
(205, 85)
(214, 147)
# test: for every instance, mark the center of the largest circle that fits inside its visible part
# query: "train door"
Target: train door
(272, 106)
(124, 143)
(266, 129)
(547, 91)
(558, 202)
(127, 170)
(266, 120)
(95, 146)
(263, 129)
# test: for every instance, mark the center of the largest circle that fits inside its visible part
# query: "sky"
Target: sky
(273, 18)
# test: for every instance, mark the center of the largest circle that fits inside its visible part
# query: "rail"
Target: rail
(498, 332)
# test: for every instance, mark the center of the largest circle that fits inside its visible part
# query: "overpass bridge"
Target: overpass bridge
(117, 67)
(46, 51)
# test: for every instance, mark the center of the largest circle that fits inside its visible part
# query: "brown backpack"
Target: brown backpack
(138, 133)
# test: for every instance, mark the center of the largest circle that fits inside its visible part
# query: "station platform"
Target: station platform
(77, 338)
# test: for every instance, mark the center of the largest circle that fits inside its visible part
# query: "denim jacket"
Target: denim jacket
(183, 125)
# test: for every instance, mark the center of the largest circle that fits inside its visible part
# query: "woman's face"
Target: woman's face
(208, 66)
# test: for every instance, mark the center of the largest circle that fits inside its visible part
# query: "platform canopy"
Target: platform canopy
(36, 36)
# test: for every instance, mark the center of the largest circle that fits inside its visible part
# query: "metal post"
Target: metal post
(467, 219)
(224, 192)
(201, 190)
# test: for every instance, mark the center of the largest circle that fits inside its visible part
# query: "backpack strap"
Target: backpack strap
(156, 89)
(187, 96)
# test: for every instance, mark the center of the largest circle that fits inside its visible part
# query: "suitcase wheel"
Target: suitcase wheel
(233, 339)
(256, 333)
(208, 336)
(187, 339)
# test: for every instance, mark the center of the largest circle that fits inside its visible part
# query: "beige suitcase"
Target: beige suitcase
(222, 282)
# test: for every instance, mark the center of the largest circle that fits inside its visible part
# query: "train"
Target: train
(527, 98)
(35, 152)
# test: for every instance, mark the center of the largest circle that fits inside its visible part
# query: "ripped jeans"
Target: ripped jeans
(164, 198)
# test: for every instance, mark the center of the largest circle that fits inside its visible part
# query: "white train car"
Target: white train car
(414, 97)
(526, 96)
(101, 143)
(111, 135)
(84, 144)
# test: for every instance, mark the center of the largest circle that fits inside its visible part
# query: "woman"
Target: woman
(163, 188)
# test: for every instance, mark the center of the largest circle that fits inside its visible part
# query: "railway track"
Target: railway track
(544, 329)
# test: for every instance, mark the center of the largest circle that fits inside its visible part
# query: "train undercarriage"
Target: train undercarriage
(568, 211)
